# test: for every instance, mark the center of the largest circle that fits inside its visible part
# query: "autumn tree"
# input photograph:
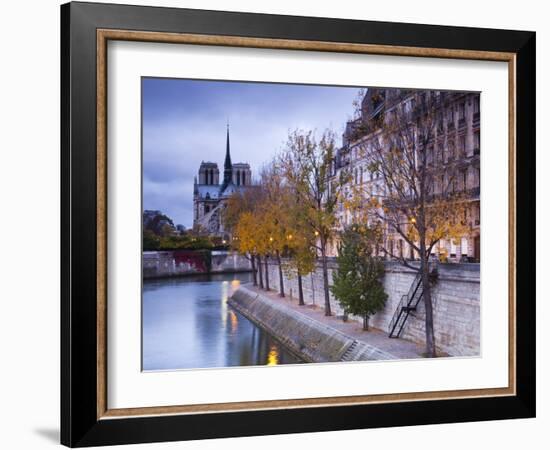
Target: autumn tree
(245, 240)
(307, 165)
(278, 212)
(301, 262)
(241, 201)
(238, 216)
(420, 203)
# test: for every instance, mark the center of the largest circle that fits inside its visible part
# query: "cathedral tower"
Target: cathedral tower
(227, 166)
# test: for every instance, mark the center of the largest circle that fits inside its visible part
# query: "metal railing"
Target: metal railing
(408, 303)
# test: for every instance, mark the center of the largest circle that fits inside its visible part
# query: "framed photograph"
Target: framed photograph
(276, 224)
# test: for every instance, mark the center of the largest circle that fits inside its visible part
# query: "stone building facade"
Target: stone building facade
(209, 195)
(453, 155)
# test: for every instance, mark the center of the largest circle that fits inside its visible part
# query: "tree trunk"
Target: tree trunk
(300, 291)
(328, 312)
(266, 274)
(254, 274)
(260, 272)
(365, 322)
(281, 280)
(427, 296)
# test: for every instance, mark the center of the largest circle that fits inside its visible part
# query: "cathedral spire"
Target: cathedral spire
(227, 167)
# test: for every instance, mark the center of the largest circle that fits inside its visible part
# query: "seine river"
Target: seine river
(188, 324)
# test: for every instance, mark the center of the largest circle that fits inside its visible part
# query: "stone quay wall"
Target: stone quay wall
(307, 338)
(455, 298)
(162, 264)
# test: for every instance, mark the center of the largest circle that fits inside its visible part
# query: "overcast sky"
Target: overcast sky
(184, 123)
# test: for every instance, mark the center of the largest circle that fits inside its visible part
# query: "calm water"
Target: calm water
(188, 324)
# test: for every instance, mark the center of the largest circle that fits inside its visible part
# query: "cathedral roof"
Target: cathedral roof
(227, 189)
(212, 190)
(231, 188)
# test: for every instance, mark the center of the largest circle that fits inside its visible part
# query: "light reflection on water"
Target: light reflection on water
(187, 323)
(273, 356)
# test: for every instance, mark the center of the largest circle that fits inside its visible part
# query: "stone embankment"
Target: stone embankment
(306, 332)
(162, 264)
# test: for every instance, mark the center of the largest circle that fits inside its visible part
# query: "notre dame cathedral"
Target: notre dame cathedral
(209, 196)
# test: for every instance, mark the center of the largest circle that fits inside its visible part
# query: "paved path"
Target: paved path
(401, 348)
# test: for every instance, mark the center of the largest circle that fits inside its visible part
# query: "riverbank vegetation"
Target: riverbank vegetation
(159, 233)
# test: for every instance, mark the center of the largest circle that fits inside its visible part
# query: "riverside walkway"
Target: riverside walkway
(398, 348)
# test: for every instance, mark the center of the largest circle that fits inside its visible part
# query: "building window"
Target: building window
(439, 125)
(476, 142)
(455, 183)
(451, 154)
(464, 246)
(453, 249)
(461, 146)
(450, 117)
(476, 105)
(461, 111)
(207, 209)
